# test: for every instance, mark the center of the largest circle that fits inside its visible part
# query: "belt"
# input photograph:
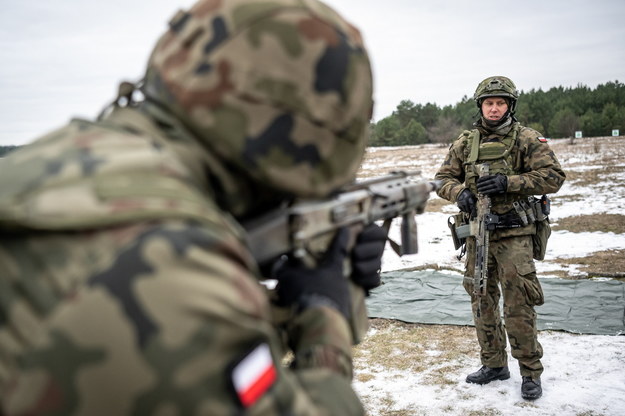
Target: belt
(508, 220)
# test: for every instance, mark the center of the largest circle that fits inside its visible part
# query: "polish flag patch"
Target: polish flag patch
(542, 139)
(254, 375)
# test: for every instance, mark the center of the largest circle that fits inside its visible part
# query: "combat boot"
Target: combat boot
(486, 374)
(531, 389)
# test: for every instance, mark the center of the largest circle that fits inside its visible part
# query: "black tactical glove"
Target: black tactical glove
(492, 184)
(322, 286)
(466, 201)
(367, 257)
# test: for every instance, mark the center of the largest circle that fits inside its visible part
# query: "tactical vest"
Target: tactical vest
(500, 156)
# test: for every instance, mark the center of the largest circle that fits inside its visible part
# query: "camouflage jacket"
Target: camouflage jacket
(533, 169)
(126, 290)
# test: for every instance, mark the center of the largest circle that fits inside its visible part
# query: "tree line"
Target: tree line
(6, 149)
(556, 113)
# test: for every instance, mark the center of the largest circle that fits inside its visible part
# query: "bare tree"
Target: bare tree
(444, 131)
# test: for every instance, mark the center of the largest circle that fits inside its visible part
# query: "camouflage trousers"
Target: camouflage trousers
(511, 267)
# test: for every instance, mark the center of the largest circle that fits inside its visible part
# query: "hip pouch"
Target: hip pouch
(543, 229)
(459, 226)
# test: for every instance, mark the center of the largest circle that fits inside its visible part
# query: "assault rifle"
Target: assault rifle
(305, 228)
(483, 224)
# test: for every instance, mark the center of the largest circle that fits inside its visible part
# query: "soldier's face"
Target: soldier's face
(493, 108)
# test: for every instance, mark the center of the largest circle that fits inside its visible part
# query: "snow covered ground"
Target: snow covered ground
(585, 374)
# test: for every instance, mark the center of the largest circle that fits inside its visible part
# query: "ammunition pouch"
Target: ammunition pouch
(527, 211)
(539, 240)
(536, 211)
(459, 226)
(542, 209)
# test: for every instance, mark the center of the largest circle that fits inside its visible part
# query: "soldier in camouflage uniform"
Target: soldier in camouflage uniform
(521, 164)
(127, 286)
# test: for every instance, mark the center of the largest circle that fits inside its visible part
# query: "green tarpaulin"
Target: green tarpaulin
(432, 297)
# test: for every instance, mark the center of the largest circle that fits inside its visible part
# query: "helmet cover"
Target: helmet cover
(279, 89)
(496, 86)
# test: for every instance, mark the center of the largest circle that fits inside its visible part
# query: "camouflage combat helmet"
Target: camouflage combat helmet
(280, 90)
(497, 86)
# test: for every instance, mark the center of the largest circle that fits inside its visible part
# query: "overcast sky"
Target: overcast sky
(64, 58)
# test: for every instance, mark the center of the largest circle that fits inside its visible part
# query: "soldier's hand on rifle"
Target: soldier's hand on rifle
(367, 257)
(324, 285)
(492, 184)
(466, 201)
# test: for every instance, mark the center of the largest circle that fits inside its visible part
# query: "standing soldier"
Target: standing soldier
(521, 165)
(127, 286)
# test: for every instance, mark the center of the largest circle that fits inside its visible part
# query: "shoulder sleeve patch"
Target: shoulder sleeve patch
(542, 139)
(254, 375)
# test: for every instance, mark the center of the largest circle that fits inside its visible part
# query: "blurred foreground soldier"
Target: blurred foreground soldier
(520, 164)
(127, 286)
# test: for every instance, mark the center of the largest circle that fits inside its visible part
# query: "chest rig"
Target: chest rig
(500, 155)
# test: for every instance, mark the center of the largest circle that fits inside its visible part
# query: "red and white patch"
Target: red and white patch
(254, 375)
(542, 139)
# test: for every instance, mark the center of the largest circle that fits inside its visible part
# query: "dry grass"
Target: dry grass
(433, 351)
(608, 263)
(436, 205)
(418, 348)
(590, 223)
